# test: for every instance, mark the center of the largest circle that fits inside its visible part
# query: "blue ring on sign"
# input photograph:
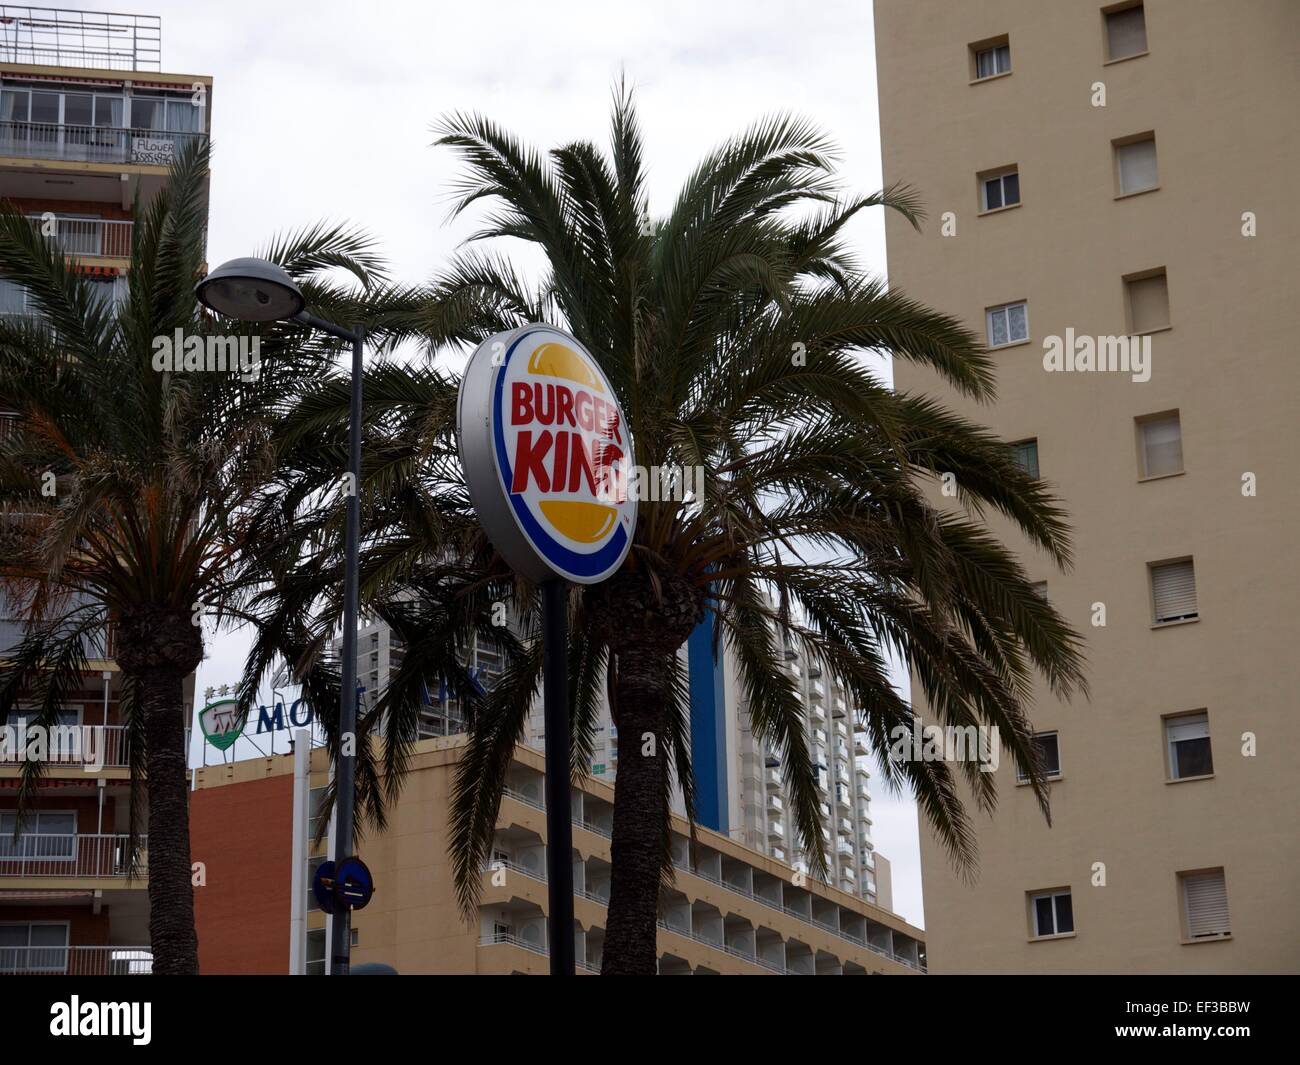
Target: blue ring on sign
(556, 553)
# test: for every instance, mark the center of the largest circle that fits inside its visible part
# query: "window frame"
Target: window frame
(1130, 321)
(62, 967)
(21, 854)
(1023, 778)
(998, 174)
(1107, 58)
(1140, 422)
(1156, 621)
(1053, 894)
(1117, 147)
(1183, 877)
(1028, 441)
(981, 47)
(1171, 762)
(1005, 308)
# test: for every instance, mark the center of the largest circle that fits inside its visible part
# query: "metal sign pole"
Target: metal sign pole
(559, 824)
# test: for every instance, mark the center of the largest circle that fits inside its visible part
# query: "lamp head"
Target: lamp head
(251, 290)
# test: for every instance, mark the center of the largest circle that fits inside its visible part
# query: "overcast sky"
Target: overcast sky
(323, 110)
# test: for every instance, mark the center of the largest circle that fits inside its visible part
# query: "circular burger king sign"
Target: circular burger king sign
(547, 455)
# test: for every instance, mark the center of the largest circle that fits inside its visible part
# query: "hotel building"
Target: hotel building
(730, 909)
(1122, 176)
(88, 123)
(739, 788)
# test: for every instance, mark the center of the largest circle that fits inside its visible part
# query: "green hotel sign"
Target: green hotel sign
(222, 723)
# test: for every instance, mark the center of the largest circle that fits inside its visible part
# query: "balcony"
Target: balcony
(83, 746)
(774, 804)
(775, 830)
(93, 144)
(107, 238)
(76, 961)
(772, 778)
(844, 848)
(92, 856)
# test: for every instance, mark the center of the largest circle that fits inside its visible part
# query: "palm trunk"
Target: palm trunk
(171, 896)
(640, 814)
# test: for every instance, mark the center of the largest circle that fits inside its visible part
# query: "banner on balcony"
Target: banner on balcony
(153, 151)
(547, 455)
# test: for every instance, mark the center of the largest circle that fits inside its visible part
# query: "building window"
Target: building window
(1160, 445)
(318, 815)
(1007, 324)
(1173, 591)
(1025, 455)
(316, 952)
(38, 947)
(992, 57)
(1187, 739)
(1146, 296)
(313, 863)
(1205, 904)
(1052, 913)
(1126, 32)
(1135, 164)
(48, 835)
(1049, 748)
(999, 190)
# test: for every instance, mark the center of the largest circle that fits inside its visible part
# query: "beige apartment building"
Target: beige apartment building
(1094, 173)
(730, 910)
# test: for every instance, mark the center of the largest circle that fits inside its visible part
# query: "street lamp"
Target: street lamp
(254, 290)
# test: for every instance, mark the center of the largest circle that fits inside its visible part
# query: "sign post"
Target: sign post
(547, 457)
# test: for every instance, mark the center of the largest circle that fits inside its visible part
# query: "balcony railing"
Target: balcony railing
(106, 237)
(93, 144)
(699, 874)
(76, 961)
(39, 854)
(88, 745)
(512, 940)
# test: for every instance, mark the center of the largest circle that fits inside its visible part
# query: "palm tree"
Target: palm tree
(731, 330)
(154, 476)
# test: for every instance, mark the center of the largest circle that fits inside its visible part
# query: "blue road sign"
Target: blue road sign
(354, 886)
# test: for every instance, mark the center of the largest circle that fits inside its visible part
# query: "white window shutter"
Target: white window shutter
(1137, 166)
(1191, 727)
(1126, 32)
(1162, 447)
(1206, 897)
(1173, 587)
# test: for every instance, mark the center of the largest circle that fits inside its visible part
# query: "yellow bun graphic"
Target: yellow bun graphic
(555, 360)
(585, 523)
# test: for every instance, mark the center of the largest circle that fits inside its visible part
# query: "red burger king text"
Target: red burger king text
(565, 459)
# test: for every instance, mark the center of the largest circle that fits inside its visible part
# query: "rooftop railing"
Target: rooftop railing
(65, 37)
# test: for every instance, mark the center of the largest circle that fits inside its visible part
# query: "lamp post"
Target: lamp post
(255, 290)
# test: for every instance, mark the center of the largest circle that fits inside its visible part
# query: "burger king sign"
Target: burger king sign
(547, 455)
